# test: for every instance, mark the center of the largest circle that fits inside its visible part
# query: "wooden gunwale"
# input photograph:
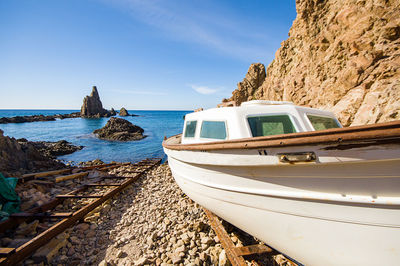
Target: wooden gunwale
(376, 132)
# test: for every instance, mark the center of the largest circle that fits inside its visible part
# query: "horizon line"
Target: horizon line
(106, 109)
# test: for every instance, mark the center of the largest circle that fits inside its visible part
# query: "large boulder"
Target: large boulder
(341, 56)
(92, 106)
(120, 129)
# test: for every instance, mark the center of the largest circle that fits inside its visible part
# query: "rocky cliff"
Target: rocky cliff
(341, 56)
(92, 106)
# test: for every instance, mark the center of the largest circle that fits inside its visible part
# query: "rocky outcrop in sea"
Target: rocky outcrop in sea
(123, 112)
(341, 56)
(92, 106)
(37, 118)
(120, 129)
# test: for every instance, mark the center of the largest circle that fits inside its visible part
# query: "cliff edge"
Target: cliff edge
(341, 56)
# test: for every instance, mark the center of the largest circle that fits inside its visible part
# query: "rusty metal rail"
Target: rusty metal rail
(235, 254)
(11, 256)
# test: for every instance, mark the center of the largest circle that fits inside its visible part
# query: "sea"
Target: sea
(78, 131)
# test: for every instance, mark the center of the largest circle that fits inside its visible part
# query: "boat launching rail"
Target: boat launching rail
(236, 254)
(66, 219)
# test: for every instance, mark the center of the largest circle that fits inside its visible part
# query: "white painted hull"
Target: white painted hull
(341, 210)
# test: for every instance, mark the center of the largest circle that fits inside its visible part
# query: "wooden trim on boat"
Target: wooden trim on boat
(374, 134)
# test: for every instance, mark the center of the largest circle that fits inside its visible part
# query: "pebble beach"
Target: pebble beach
(152, 222)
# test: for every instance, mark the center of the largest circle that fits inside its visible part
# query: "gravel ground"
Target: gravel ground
(151, 222)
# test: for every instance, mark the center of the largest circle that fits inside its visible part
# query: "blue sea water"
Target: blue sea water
(78, 131)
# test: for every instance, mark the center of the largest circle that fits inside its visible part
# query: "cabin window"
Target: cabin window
(213, 130)
(270, 125)
(190, 129)
(323, 122)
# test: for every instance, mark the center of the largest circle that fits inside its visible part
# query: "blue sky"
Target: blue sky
(141, 54)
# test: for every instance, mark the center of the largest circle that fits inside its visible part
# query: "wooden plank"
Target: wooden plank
(28, 248)
(69, 177)
(13, 222)
(4, 252)
(252, 249)
(95, 166)
(103, 185)
(79, 196)
(224, 239)
(41, 215)
(114, 166)
(44, 174)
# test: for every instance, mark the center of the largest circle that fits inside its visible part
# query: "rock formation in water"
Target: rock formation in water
(92, 106)
(120, 129)
(123, 112)
(341, 56)
(18, 157)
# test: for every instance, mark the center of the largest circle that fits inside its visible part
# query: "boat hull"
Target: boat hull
(335, 211)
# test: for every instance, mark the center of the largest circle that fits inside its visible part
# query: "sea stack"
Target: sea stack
(92, 106)
(123, 112)
(120, 129)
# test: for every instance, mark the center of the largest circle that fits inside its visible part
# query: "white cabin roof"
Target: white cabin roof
(236, 117)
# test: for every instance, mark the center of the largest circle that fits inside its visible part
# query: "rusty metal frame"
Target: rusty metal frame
(28, 248)
(235, 254)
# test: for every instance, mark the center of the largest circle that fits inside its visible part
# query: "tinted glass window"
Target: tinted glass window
(323, 122)
(213, 130)
(190, 129)
(270, 125)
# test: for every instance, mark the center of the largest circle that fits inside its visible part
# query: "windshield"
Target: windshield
(270, 125)
(323, 122)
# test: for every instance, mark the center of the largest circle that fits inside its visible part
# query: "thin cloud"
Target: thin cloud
(204, 89)
(139, 92)
(198, 25)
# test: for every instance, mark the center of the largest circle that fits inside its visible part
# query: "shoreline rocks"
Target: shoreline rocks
(17, 158)
(119, 129)
(37, 118)
(53, 149)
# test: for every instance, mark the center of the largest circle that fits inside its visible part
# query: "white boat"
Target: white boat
(294, 178)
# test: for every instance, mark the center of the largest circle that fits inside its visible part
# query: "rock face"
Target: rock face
(20, 156)
(253, 80)
(341, 56)
(120, 129)
(123, 112)
(92, 106)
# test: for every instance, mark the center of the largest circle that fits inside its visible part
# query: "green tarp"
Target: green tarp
(9, 200)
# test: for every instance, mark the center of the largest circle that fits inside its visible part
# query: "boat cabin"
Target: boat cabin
(254, 119)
